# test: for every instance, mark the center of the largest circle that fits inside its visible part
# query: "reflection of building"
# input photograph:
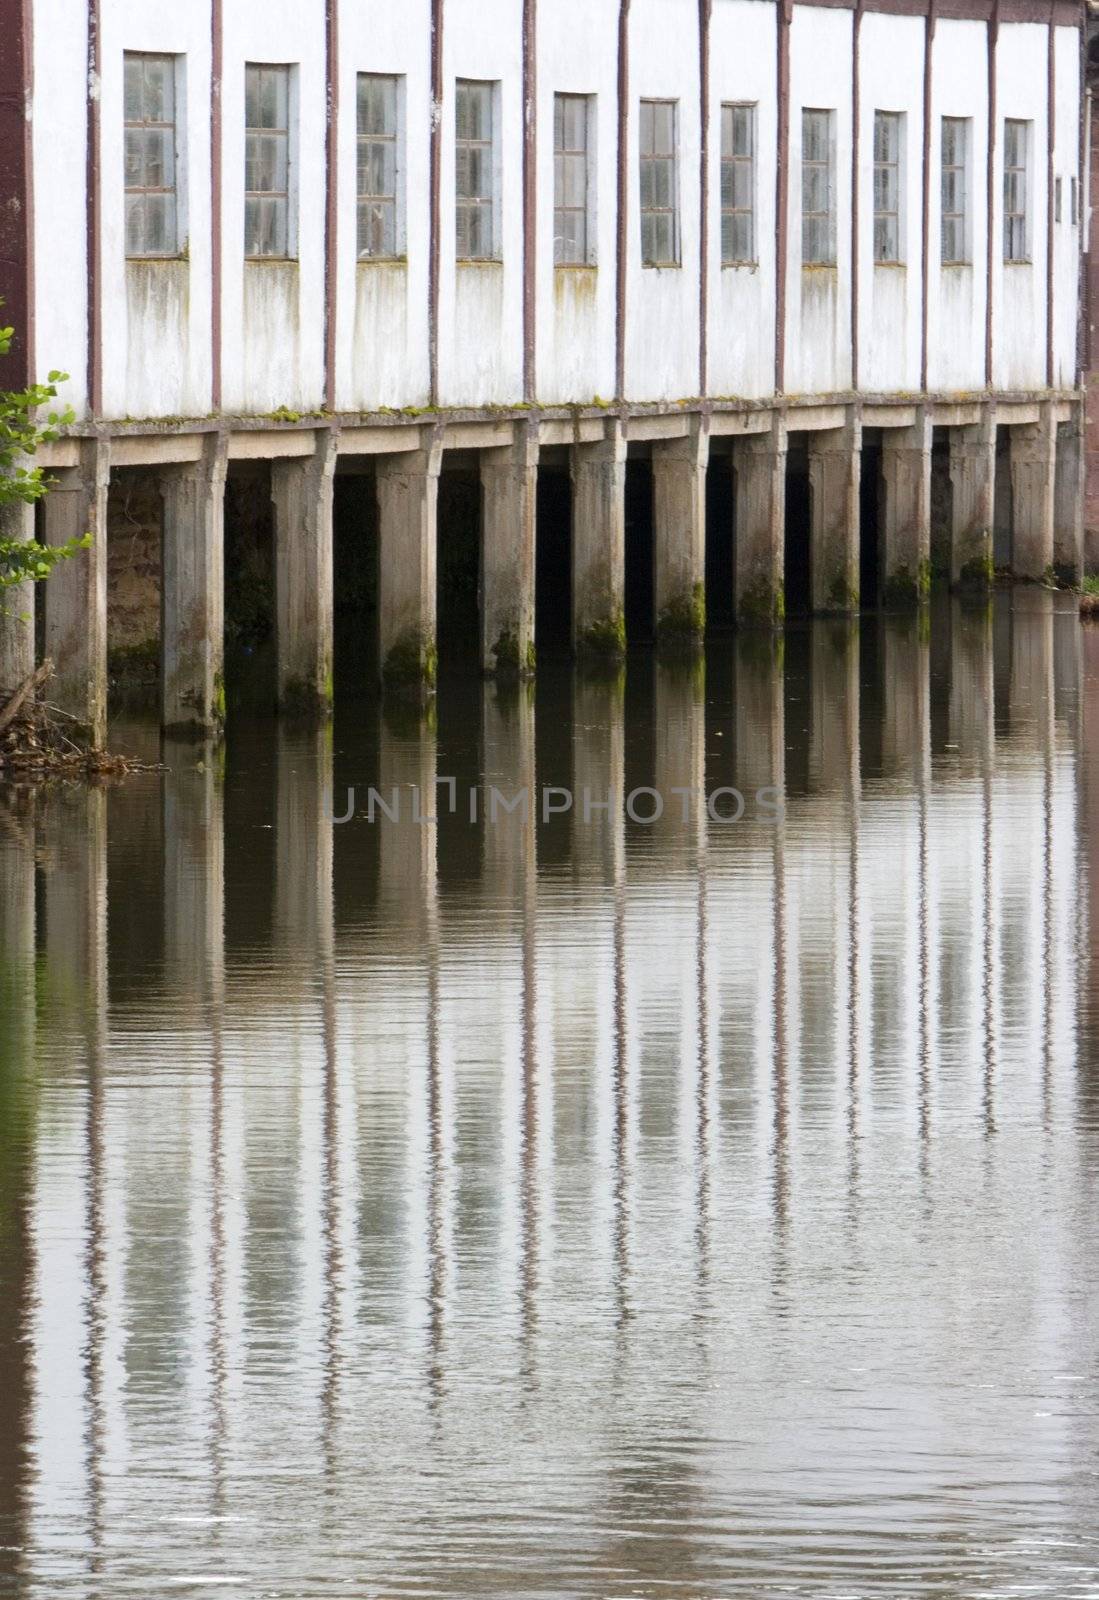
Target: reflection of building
(343, 256)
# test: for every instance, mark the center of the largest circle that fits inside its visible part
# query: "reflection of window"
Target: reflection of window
(659, 186)
(738, 184)
(572, 234)
(476, 172)
(818, 217)
(887, 186)
(1016, 143)
(266, 161)
(377, 166)
(955, 189)
(152, 228)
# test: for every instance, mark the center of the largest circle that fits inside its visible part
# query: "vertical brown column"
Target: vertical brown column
(76, 595)
(94, 242)
(530, 199)
(622, 273)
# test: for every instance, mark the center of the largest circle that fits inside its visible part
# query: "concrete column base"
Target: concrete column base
(1068, 500)
(192, 593)
(679, 530)
(760, 465)
(408, 496)
(76, 594)
(16, 607)
(599, 545)
(835, 457)
(973, 481)
(509, 486)
(1033, 466)
(301, 493)
(906, 527)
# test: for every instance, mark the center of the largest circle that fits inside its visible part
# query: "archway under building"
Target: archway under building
(355, 558)
(871, 512)
(251, 666)
(134, 588)
(720, 539)
(553, 555)
(797, 560)
(640, 603)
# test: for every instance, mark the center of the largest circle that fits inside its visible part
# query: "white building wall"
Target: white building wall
(1066, 233)
(273, 311)
(578, 54)
(157, 305)
(1019, 289)
(743, 67)
(957, 294)
(891, 62)
(382, 356)
(481, 303)
(818, 299)
(662, 315)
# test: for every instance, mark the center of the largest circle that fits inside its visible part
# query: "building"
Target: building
(819, 248)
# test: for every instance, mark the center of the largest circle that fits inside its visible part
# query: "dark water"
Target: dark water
(579, 1208)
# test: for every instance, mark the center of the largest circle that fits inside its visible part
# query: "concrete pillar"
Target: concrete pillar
(835, 456)
(599, 544)
(301, 493)
(509, 486)
(834, 766)
(679, 535)
(408, 495)
(1068, 500)
(760, 464)
(1033, 464)
(192, 592)
(973, 484)
(16, 606)
(906, 526)
(76, 594)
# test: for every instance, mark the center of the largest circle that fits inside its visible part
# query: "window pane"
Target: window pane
(135, 224)
(743, 245)
(815, 188)
(661, 181)
(663, 128)
(576, 123)
(728, 169)
(645, 127)
(648, 237)
(742, 185)
(647, 189)
(814, 135)
(576, 181)
(159, 74)
(159, 223)
(377, 104)
(133, 98)
(742, 130)
(726, 131)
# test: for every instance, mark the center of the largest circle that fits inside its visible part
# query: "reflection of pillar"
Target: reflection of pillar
(509, 490)
(906, 695)
(76, 595)
(973, 486)
(1068, 500)
(679, 715)
(192, 588)
(679, 534)
(17, 611)
(407, 841)
(1031, 692)
(408, 495)
(972, 695)
(509, 800)
(303, 843)
(760, 465)
(599, 777)
(301, 492)
(1033, 461)
(599, 544)
(834, 729)
(906, 528)
(835, 457)
(760, 720)
(194, 871)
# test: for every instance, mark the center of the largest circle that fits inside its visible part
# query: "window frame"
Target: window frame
(648, 210)
(176, 189)
(286, 74)
(889, 164)
(828, 166)
(563, 153)
(485, 204)
(1016, 223)
(962, 127)
(395, 140)
(731, 160)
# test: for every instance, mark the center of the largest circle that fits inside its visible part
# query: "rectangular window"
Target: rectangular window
(955, 191)
(476, 172)
(738, 185)
(818, 189)
(149, 88)
(267, 161)
(378, 167)
(1074, 202)
(659, 184)
(1016, 151)
(887, 186)
(573, 239)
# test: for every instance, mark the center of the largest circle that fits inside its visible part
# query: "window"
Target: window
(955, 190)
(1074, 202)
(152, 227)
(378, 167)
(659, 186)
(476, 175)
(818, 218)
(887, 186)
(572, 233)
(738, 185)
(267, 161)
(1016, 141)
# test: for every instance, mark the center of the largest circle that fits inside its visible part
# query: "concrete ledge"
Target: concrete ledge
(889, 416)
(734, 424)
(963, 415)
(381, 441)
(270, 445)
(673, 426)
(588, 430)
(815, 419)
(62, 453)
(478, 435)
(156, 449)
(1014, 416)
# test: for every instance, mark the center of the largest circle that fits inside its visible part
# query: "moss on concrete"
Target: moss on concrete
(682, 622)
(412, 662)
(763, 605)
(905, 590)
(509, 661)
(842, 596)
(605, 638)
(309, 701)
(978, 573)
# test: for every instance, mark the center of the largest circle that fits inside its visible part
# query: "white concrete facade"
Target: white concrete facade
(156, 350)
